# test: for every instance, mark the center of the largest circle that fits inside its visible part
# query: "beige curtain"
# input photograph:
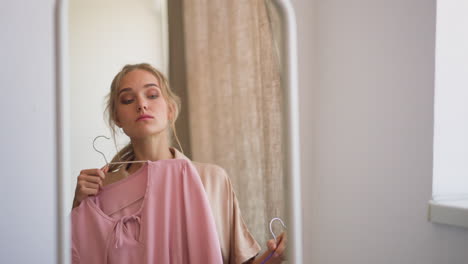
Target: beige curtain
(234, 102)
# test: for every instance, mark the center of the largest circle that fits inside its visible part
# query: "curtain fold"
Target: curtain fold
(235, 102)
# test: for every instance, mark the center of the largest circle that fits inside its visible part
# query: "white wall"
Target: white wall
(27, 137)
(366, 73)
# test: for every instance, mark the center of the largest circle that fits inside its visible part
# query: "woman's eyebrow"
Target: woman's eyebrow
(145, 86)
(125, 90)
(151, 84)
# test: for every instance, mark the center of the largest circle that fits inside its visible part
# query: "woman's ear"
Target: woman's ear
(170, 113)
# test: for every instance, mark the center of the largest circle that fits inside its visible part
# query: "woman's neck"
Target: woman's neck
(150, 148)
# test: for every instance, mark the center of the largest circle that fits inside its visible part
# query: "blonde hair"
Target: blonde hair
(127, 153)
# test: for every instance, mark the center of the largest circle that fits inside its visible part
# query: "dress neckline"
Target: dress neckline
(106, 188)
(117, 183)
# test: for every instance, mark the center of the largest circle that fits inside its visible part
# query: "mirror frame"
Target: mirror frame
(291, 135)
(290, 82)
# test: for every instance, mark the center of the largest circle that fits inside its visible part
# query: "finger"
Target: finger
(91, 185)
(84, 187)
(280, 238)
(88, 171)
(280, 249)
(275, 243)
(94, 172)
(105, 169)
(85, 192)
(97, 172)
(87, 178)
(89, 191)
(101, 174)
(271, 245)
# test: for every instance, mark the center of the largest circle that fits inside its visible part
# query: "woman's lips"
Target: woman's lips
(144, 117)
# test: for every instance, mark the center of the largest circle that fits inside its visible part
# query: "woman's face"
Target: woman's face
(141, 109)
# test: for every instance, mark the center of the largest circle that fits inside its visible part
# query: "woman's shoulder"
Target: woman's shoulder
(212, 175)
(207, 171)
(210, 169)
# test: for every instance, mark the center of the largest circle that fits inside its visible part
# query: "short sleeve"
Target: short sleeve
(243, 245)
(237, 243)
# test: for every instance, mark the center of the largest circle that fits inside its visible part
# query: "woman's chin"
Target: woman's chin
(145, 133)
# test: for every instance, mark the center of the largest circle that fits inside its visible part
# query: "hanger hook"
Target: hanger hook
(94, 141)
(271, 222)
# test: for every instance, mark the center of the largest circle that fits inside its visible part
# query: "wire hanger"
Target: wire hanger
(104, 156)
(274, 236)
(271, 222)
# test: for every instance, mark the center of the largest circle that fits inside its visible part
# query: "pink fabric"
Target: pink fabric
(159, 214)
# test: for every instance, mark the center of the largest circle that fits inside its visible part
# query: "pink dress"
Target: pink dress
(159, 214)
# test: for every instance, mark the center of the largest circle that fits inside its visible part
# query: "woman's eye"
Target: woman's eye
(126, 101)
(153, 96)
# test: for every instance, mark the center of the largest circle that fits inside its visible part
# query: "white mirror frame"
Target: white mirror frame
(289, 82)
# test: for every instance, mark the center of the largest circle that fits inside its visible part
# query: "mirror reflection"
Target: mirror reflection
(190, 95)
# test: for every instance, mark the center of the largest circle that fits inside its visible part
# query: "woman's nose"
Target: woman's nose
(140, 108)
(141, 105)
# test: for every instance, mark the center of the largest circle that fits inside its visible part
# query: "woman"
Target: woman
(144, 107)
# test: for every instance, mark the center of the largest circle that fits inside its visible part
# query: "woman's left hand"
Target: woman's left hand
(277, 250)
(278, 247)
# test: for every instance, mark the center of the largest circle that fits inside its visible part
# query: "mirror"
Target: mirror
(105, 35)
(231, 62)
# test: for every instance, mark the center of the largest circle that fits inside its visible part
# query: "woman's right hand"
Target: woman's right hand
(88, 183)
